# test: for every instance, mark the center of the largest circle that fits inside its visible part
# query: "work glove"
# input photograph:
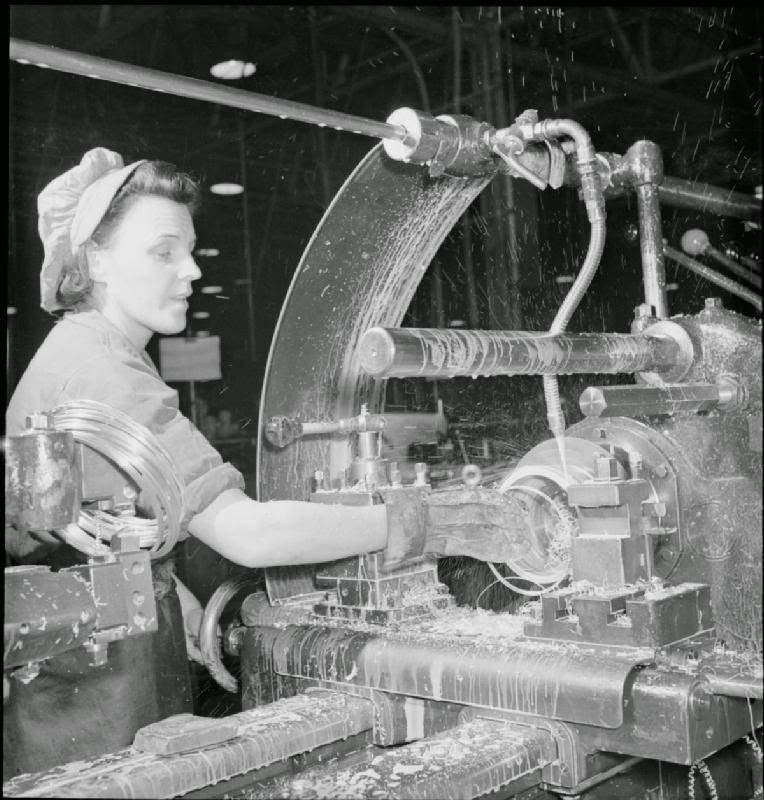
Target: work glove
(192, 612)
(468, 521)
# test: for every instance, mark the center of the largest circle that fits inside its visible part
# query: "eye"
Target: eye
(164, 254)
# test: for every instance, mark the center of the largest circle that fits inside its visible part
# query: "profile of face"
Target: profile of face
(145, 269)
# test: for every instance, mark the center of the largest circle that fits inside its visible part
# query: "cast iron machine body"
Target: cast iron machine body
(649, 647)
(640, 523)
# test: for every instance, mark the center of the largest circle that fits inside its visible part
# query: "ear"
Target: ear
(96, 262)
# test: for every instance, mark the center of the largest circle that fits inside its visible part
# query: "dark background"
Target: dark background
(688, 78)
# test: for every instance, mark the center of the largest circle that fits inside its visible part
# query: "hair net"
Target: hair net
(70, 208)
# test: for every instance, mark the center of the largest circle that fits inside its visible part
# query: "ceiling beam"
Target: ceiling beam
(615, 81)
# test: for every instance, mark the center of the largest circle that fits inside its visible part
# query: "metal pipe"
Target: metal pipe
(681, 193)
(734, 267)
(695, 242)
(154, 80)
(675, 192)
(651, 247)
(453, 353)
(713, 276)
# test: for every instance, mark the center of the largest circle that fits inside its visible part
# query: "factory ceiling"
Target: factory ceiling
(685, 77)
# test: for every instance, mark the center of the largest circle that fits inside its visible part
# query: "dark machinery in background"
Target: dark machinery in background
(635, 669)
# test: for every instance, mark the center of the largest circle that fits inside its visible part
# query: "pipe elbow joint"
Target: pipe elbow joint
(644, 163)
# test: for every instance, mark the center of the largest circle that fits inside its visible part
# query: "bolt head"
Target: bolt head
(713, 302)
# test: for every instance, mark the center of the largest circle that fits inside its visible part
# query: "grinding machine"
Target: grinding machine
(634, 668)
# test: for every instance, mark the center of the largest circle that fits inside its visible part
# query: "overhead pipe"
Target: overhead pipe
(154, 80)
(675, 192)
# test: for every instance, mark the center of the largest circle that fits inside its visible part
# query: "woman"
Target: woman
(118, 257)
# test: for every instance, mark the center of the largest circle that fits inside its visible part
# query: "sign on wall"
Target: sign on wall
(183, 359)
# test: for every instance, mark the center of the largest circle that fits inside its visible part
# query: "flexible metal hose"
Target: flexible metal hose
(565, 312)
(208, 639)
(593, 197)
(138, 453)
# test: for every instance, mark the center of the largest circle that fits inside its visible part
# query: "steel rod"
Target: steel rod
(714, 277)
(735, 268)
(449, 353)
(632, 401)
(154, 80)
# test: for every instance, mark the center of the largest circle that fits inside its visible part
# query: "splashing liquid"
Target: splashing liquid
(559, 437)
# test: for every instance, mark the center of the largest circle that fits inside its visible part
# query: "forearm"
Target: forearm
(282, 532)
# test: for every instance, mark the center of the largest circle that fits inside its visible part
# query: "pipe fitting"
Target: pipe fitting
(453, 143)
(642, 163)
(554, 128)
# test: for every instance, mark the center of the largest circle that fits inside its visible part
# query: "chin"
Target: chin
(170, 327)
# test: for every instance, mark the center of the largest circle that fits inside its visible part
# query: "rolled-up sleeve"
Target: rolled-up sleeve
(131, 386)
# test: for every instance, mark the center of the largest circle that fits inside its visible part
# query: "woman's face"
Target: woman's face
(146, 269)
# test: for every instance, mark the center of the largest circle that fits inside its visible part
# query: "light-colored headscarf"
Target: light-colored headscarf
(70, 208)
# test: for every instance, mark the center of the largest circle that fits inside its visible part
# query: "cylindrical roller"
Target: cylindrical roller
(641, 401)
(438, 353)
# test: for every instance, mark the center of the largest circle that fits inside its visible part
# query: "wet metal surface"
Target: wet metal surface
(553, 680)
(471, 760)
(447, 353)
(264, 735)
(360, 269)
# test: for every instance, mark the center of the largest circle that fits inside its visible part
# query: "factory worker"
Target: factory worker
(118, 243)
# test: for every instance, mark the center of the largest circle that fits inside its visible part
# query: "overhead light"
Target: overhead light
(226, 188)
(232, 70)
(208, 252)
(672, 287)
(202, 334)
(564, 279)
(211, 289)
(11, 310)
(201, 315)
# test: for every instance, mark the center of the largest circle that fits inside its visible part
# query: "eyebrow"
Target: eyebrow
(161, 236)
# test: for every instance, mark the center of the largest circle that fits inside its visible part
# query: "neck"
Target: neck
(137, 334)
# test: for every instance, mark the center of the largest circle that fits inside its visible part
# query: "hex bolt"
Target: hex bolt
(661, 470)
(713, 302)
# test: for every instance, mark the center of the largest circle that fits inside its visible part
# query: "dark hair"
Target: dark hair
(152, 179)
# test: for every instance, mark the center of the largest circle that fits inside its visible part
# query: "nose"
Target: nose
(190, 269)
